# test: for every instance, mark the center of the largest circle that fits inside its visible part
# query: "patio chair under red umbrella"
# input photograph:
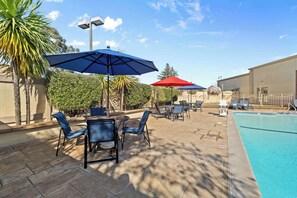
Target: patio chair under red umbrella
(171, 82)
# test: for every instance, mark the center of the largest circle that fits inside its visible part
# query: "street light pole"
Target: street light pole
(88, 24)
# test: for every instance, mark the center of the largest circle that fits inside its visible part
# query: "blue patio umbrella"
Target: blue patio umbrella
(192, 87)
(102, 61)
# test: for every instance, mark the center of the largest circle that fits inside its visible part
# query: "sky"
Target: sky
(203, 40)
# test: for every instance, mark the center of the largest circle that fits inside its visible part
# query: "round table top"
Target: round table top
(113, 115)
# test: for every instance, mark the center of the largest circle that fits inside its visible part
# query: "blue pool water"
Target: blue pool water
(270, 140)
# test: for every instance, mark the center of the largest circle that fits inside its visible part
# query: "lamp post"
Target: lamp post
(88, 24)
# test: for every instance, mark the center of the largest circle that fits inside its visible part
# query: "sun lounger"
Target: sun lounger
(244, 105)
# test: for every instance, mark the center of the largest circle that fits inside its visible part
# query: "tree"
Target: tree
(60, 43)
(167, 72)
(121, 83)
(103, 83)
(24, 39)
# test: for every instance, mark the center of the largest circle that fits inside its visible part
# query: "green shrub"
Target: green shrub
(73, 93)
(138, 95)
(163, 94)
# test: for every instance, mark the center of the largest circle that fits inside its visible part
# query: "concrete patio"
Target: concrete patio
(187, 159)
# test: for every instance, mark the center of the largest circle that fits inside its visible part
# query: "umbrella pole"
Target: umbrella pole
(108, 91)
(171, 96)
(108, 72)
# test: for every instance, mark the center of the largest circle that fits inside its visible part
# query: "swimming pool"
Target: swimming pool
(270, 140)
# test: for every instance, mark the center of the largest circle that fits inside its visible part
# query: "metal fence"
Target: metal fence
(281, 99)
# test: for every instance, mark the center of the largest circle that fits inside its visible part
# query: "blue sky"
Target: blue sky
(202, 40)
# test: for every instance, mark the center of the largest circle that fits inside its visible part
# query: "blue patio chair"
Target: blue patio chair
(234, 104)
(177, 112)
(140, 130)
(186, 109)
(244, 104)
(102, 111)
(99, 131)
(197, 105)
(294, 105)
(163, 113)
(67, 131)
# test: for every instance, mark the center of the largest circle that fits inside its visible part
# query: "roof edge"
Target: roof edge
(273, 62)
(241, 75)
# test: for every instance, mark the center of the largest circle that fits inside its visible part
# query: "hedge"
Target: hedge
(138, 95)
(73, 93)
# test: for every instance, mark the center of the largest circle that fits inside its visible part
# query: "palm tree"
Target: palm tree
(24, 39)
(103, 83)
(121, 83)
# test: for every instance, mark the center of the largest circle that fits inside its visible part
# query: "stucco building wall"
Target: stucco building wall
(277, 77)
(40, 108)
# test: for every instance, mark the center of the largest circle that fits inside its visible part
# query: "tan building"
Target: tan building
(40, 108)
(277, 78)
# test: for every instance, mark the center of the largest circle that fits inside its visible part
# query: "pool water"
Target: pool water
(270, 140)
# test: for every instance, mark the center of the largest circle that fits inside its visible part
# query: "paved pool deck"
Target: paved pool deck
(187, 159)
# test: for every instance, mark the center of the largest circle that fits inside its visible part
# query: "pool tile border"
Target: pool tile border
(242, 182)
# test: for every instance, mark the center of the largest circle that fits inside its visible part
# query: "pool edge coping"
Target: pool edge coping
(242, 181)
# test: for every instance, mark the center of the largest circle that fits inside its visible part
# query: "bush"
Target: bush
(138, 95)
(163, 94)
(73, 93)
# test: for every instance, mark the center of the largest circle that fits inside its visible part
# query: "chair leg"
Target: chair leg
(148, 137)
(58, 143)
(123, 140)
(86, 152)
(64, 141)
(117, 151)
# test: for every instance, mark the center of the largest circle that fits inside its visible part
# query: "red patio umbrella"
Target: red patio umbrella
(172, 81)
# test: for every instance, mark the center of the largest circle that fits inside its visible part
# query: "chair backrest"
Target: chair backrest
(157, 108)
(143, 120)
(198, 104)
(101, 130)
(243, 102)
(62, 121)
(295, 102)
(102, 111)
(234, 102)
(177, 109)
(168, 103)
(186, 106)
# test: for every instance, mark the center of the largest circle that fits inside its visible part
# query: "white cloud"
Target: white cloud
(182, 24)
(84, 17)
(111, 24)
(56, 1)
(283, 36)
(187, 10)
(77, 43)
(111, 43)
(165, 29)
(142, 39)
(53, 15)
(96, 43)
(171, 4)
(194, 11)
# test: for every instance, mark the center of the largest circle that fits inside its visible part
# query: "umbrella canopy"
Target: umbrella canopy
(102, 61)
(172, 81)
(191, 87)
